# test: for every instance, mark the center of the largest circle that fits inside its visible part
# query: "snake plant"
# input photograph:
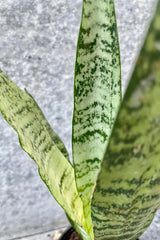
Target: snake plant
(111, 191)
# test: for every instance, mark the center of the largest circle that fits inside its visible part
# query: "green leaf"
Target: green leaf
(60, 145)
(38, 139)
(127, 193)
(97, 93)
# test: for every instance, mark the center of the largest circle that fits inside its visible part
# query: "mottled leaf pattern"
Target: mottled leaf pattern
(43, 145)
(97, 93)
(127, 193)
(60, 145)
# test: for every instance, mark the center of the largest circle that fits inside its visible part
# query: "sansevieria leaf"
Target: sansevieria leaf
(97, 93)
(127, 193)
(41, 143)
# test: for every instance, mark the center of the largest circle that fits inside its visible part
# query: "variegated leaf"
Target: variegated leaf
(127, 193)
(42, 144)
(97, 93)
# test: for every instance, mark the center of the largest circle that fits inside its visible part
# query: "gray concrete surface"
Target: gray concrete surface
(37, 51)
(153, 232)
(49, 235)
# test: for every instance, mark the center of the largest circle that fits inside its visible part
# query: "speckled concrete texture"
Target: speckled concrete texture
(153, 232)
(37, 51)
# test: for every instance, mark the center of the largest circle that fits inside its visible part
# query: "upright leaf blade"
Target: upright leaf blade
(43, 145)
(97, 92)
(127, 193)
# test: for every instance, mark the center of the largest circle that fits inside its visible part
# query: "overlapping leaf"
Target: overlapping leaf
(43, 145)
(97, 93)
(127, 193)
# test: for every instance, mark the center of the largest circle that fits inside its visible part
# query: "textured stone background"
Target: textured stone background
(37, 51)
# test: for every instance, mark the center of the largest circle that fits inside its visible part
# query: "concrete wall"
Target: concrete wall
(37, 50)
